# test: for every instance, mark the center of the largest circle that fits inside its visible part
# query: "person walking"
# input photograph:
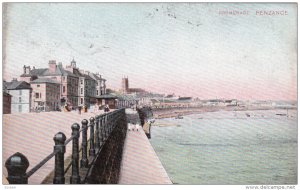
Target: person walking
(106, 109)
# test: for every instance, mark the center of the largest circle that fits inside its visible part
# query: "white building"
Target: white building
(21, 95)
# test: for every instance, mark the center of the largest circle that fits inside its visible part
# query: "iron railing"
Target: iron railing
(101, 128)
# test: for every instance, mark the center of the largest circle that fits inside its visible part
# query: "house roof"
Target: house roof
(44, 80)
(107, 96)
(78, 73)
(37, 72)
(65, 72)
(126, 97)
(17, 85)
(94, 76)
(6, 94)
(45, 72)
(87, 77)
(60, 71)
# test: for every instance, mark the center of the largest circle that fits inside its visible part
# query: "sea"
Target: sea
(229, 147)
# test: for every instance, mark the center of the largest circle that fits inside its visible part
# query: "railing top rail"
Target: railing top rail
(39, 165)
(69, 140)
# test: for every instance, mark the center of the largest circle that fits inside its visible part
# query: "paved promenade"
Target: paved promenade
(32, 135)
(140, 164)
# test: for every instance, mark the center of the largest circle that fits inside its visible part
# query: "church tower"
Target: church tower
(125, 85)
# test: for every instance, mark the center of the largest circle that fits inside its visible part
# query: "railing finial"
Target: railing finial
(16, 166)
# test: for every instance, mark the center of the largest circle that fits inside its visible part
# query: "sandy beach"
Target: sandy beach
(174, 112)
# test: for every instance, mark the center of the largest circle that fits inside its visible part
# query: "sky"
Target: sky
(189, 49)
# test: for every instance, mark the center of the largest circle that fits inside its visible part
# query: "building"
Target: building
(107, 99)
(21, 95)
(99, 83)
(45, 95)
(232, 102)
(6, 103)
(125, 85)
(87, 88)
(126, 101)
(126, 90)
(67, 80)
(77, 88)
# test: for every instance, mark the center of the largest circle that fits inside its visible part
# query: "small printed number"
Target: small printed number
(10, 187)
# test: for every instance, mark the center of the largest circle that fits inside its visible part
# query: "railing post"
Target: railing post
(101, 130)
(16, 166)
(106, 125)
(97, 133)
(104, 128)
(92, 148)
(124, 118)
(75, 178)
(114, 120)
(109, 124)
(59, 173)
(84, 162)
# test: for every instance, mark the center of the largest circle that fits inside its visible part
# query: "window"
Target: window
(37, 85)
(20, 99)
(81, 100)
(81, 90)
(20, 108)
(97, 92)
(37, 95)
(64, 89)
(40, 95)
(20, 92)
(64, 78)
(81, 81)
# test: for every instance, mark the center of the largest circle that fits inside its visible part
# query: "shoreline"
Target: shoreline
(174, 112)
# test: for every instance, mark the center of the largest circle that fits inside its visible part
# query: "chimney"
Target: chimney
(87, 72)
(52, 66)
(27, 69)
(73, 63)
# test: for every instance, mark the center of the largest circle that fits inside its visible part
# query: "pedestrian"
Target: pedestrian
(79, 109)
(106, 109)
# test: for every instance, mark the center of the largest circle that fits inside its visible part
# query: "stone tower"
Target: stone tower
(125, 85)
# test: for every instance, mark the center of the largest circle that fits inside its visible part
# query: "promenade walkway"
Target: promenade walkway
(32, 135)
(140, 164)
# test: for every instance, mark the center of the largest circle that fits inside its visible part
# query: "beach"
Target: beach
(159, 113)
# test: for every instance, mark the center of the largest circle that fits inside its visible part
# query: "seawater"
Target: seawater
(229, 147)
